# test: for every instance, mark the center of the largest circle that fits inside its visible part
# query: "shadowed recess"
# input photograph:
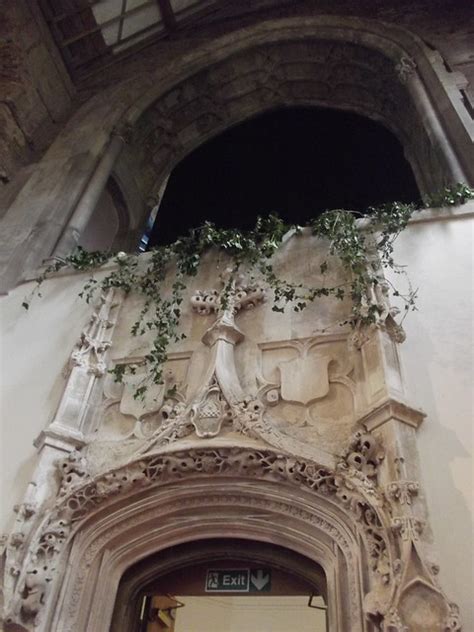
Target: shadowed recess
(296, 162)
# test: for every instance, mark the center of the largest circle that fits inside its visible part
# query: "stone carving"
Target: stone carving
(453, 620)
(35, 591)
(417, 601)
(205, 302)
(238, 293)
(409, 527)
(393, 623)
(73, 471)
(15, 548)
(294, 386)
(383, 532)
(405, 68)
(352, 484)
(91, 346)
(308, 386)
(32, 583)
(363, 455)
(385, 314)
(402, 491)
(208, 415)
(87, 363)
(76, 501)
(124, 131)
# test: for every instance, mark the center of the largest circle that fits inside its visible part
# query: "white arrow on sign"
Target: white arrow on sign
(259, 579)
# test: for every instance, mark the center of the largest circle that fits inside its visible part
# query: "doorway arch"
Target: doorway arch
(171, 499)
(142, 577)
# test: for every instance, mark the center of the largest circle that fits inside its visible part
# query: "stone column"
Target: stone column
(90, 197)
(406, 71)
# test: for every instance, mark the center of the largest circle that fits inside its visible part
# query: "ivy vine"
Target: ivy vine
(364, 249)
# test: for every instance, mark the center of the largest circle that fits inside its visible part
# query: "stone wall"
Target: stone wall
(36, 94)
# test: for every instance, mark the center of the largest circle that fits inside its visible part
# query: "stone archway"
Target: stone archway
(103, 526)
(328, 62)
(391, 80)
(333, 62)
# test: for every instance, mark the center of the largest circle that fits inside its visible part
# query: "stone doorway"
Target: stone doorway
(226, 585)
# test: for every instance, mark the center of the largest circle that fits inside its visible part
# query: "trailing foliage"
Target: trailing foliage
(364, 248)
(452, 195)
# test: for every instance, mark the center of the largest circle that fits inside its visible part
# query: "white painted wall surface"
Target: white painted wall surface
(225, 613)
(438, 363)
(34, 350)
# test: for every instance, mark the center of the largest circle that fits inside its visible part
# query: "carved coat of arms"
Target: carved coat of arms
(304, 379)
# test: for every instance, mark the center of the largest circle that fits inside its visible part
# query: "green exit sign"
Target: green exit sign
(242, 580)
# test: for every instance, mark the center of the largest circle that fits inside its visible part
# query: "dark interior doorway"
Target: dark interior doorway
(296, 162)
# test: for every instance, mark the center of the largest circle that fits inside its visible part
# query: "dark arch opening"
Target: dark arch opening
(296, 162)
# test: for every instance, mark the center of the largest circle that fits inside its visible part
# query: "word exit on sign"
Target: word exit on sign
(242, 580)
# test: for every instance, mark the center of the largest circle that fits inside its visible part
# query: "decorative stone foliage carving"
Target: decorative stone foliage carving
(402, 491)
(352, 485)
(363, 455)
(240, 295)
(72, 470)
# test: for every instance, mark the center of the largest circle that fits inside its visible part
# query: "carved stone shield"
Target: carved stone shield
(150, 403)
(304, 379)
(208, 416)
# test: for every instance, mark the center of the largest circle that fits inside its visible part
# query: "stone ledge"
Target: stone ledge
(392, 409)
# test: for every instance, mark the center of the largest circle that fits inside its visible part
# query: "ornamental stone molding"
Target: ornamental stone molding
(347, 489)
(269, 427)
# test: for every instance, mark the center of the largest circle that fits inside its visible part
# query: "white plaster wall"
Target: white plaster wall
(35, 346)
(224, 613)
(437, 360)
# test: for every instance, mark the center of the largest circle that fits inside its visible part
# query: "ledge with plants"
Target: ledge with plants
(363, 248)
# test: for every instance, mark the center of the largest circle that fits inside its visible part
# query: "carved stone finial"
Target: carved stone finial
(238, 293)
(89, 352)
